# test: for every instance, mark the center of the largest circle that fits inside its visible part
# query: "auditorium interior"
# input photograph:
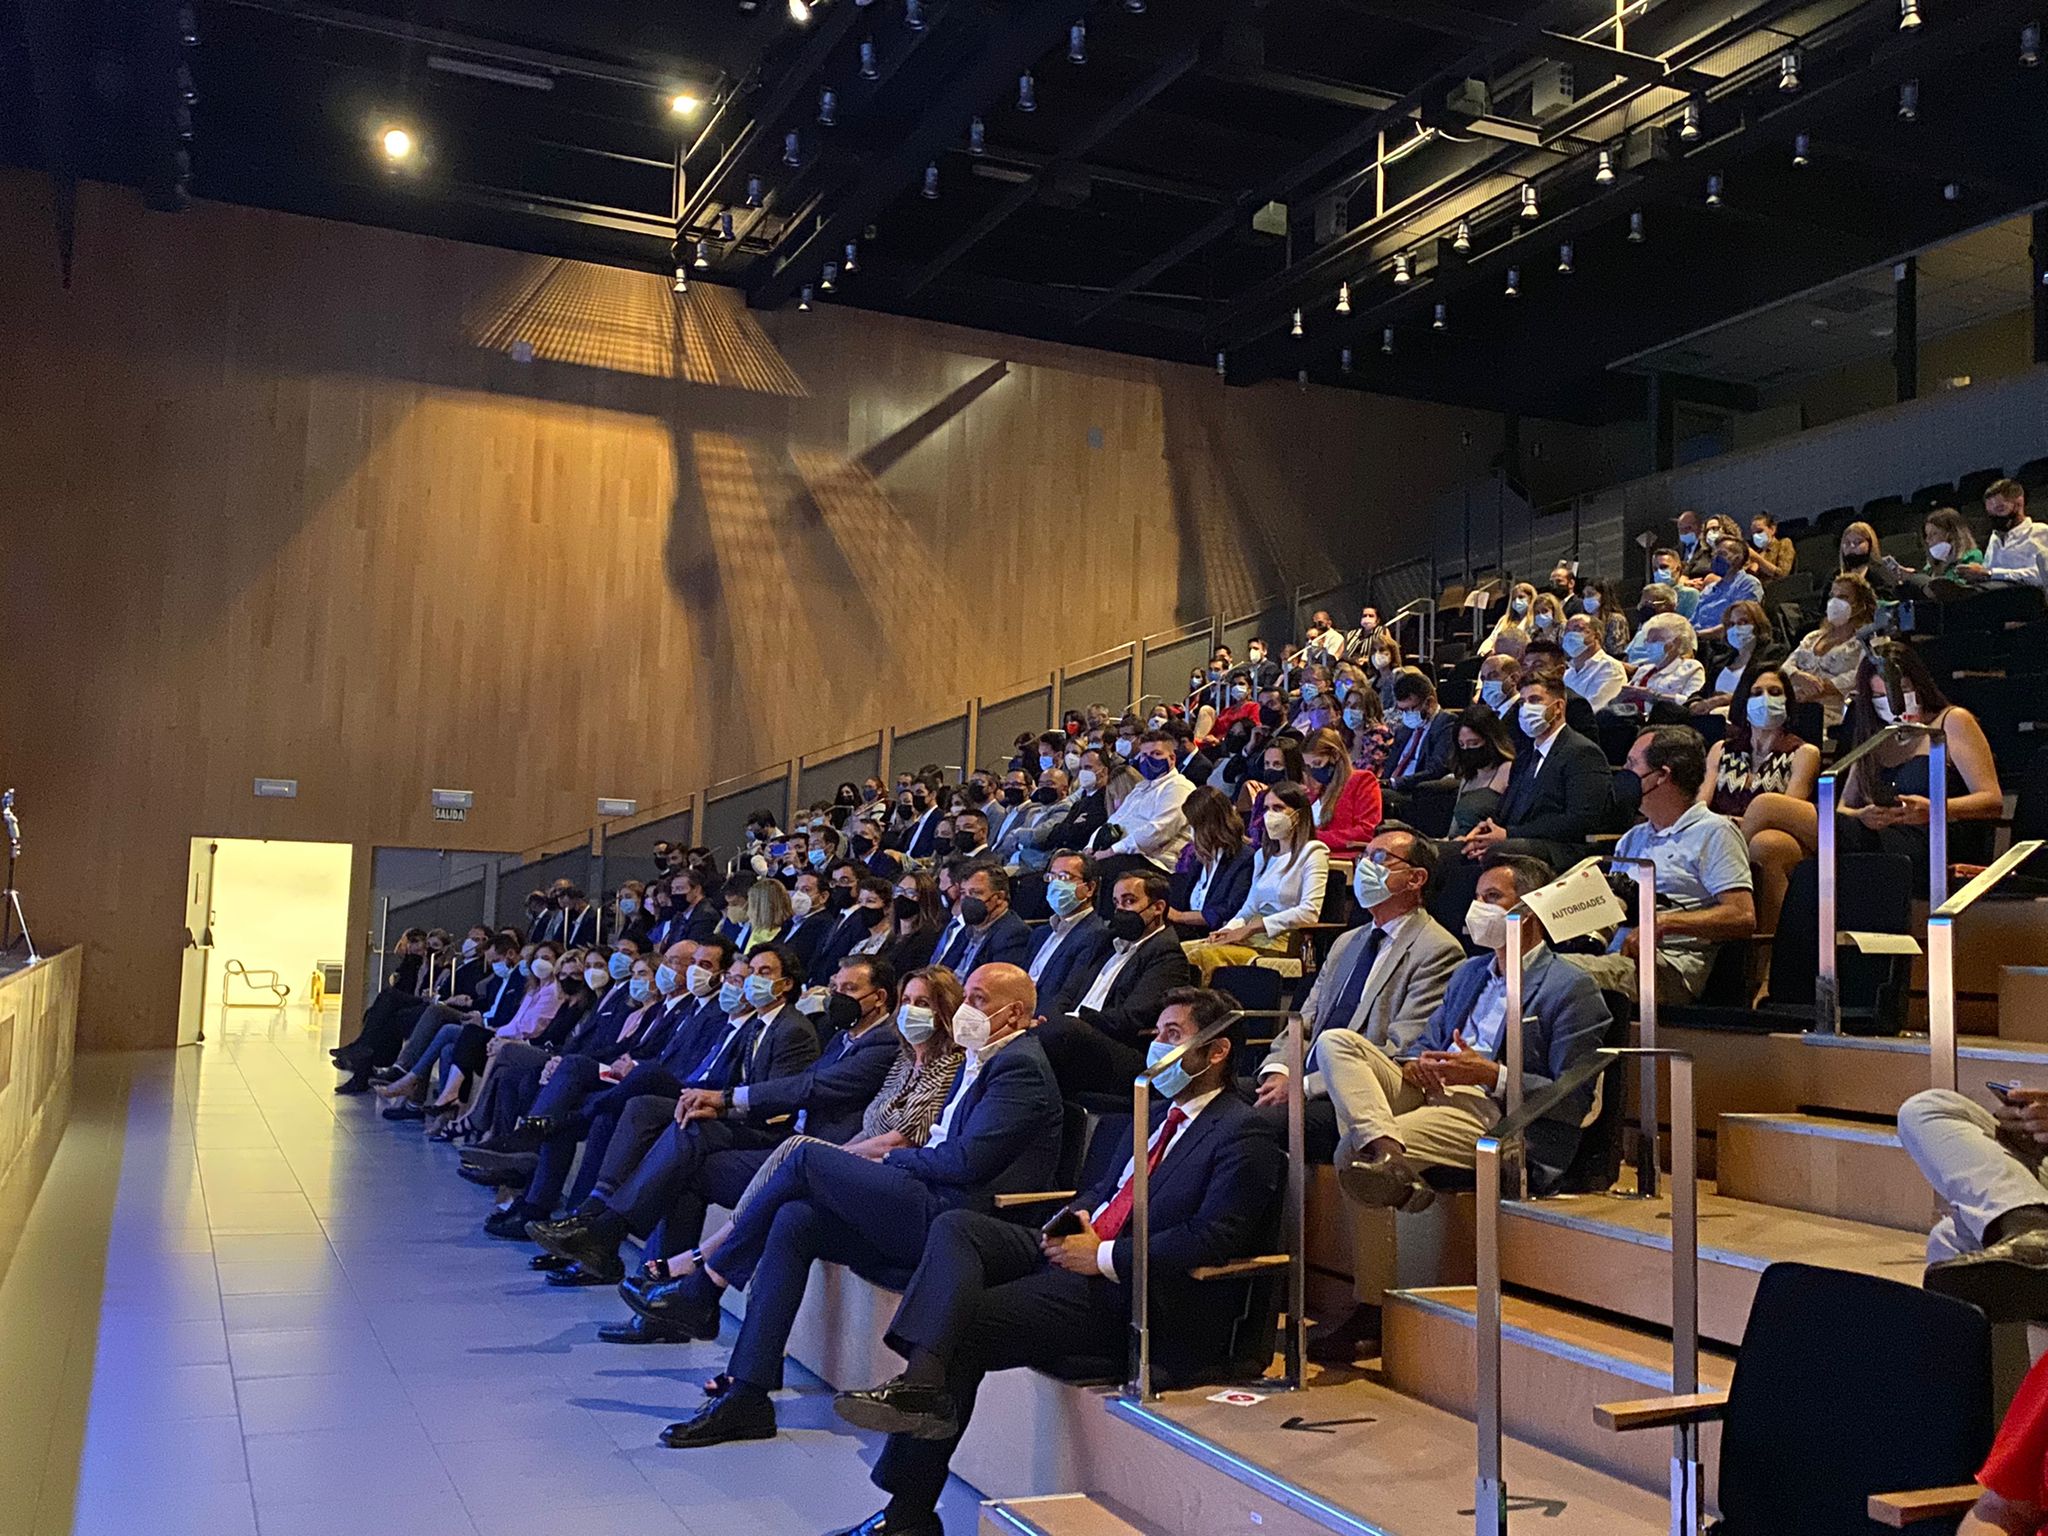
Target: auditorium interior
(1026, 767)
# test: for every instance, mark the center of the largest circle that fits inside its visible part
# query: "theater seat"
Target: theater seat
(1970, 489)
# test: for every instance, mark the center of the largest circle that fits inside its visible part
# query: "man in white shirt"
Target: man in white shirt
(1154, 827)
(1593, 675)
(2018, 552)
(1095, 1038)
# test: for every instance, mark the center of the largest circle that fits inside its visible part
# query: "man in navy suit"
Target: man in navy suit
(811, 920)
(990, 933)
(999, 1133)
(1076, 941)
(918, 838)
(1431, 1104)
(989, 1294)
(1096, 1033)
(1426, 733)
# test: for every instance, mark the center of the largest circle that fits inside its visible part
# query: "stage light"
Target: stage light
(682, 281)
(1635, 227)
(1529, 208)
(828, 107)
(1909, 15)
(1387, 341)
(931, 181)
(803, 299)
(1343, 298)
(1222, 366)
(913, 15)
(868, 68)
(1802, 149)
(977, 137)
(1135, 7)
(1077, 43)
(1564, 258)
(852, 257)
(2030, 44)
(792, 148)
(1952, 192)
(725, 229)
(397, 143)
(1027, 93)
(799, 11)
(1461, 238)
(188, 26)
(1714, 190)
(188, 93)
(753, 191)
(1909, 101)
(1344, 360)
(1514, 287)
(1689, 124)
(1605, 175)
(828, 279)
(1296, 331)
(1401, 273)
(683, 104)
(1788, 70)
(1440, 320)
(703, 254)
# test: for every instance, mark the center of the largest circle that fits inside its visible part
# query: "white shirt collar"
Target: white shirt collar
(1201, 1101)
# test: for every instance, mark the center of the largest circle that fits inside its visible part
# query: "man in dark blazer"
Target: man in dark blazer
(825, 1099)
(1425, 735)
(918, 837)
(807, 929)
(990, 933)
(1077, 940)
(867, 909)
(1189, 760)
(1095, 1034)
(990, 1294)
(495, 998)
(999, 1133)
(1560, 790)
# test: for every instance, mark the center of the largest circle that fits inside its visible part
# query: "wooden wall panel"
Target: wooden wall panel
(380, 513)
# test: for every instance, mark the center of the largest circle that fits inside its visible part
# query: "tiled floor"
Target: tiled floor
(242, 1305)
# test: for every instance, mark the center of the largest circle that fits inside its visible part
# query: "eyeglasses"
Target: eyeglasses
(1381, 857)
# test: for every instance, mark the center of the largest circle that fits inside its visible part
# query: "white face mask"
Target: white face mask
(1278, 824)
(543, 968)
(1153, 722)
(1534, 719)
(1882, 703)
(1766, 710)
(1087, 780)
(1486, 925)
(1939, 551)
(1838, 611)
(1574, 644)
(1739, 636)
(972, 1029)
(915, 1023)
(800, 903)
(595, 977)
(703, 980)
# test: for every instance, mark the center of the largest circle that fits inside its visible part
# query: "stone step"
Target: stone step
(1825, 1165)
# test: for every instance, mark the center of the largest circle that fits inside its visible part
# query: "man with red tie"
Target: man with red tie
(989, 1294)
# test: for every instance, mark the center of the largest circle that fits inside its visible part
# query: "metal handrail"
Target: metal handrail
(1827, 994)
(1490, 1507)
(1941, 959)
(1295, 1347)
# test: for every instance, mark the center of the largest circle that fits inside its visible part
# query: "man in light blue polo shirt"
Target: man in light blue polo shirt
(1704, 893)
(1733, 584)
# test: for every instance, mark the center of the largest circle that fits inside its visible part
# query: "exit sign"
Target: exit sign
(451, 813)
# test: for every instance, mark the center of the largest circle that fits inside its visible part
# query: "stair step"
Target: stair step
(1557, 1365)
(1614, 1253)
(1874, 1076)
(1824, 1165)
(1056, 1514)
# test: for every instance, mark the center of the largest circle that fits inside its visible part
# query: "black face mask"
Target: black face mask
(965, 842)
(1045, 794)
(973, 911)
(874, 917)
(838, 898)
(863, 846)
(905, 907)
(1127, 926)
(1015, 794)
(1472, 760)
(841, 1011)
(1855, 562)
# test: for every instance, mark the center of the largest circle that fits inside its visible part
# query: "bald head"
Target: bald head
(997, 986)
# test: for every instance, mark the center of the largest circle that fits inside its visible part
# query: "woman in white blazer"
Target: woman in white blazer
(1289, 871)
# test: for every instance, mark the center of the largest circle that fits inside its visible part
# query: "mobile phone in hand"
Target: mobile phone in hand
(2004, 1091)
(1063, 1224)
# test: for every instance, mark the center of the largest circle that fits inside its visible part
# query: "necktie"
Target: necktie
(1410, 750)
(1346, 1004)
(1118, 1211)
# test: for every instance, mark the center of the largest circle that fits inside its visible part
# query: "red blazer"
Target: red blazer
(1355, 818)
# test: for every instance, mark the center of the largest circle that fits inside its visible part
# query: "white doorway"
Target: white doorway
(263, 920)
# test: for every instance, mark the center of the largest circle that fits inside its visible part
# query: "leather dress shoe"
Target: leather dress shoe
(580, 1274)
(675, 1305)
(387, 1075)
(2007, 1280)
(879, 1524)
(540, 1127)
(547, 1233)
(509, 1224)
(356, 1083)
(547, 1263)
(578, 1242)
(506, 1167)
(1388, 1181)
(739, 1415)
(406, 1112)
(483, 1178)
(899, 1407)
(639, 1330)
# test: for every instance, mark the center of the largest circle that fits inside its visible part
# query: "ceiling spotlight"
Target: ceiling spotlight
(1439, 322)
(1909, 15)
(682, 281)
(397, 143)
(1909, 101)
(799, 11)
(852, 257)
(1635, 227)
(1605, 175)
(1222, 366)
(803, 299)
(703, 259)
(1344, 360)
(931, 181)
(683, 104)
(1027, 93)
(1952, 192)
(1514, 287)
(868, 68)
(1343, 298)
(1714, 190)
(1077, 43)
(792, 148)
(1802, 149)
(1296, 330)
(1529, 208)
(188, 26)
(725, 230)
(1135, 7)
(1689, 124)
(1387, 340)
(828, 279)
(1564, 258)
(1461, 239)
(187, 92)
(913, 15)
(828, 107)
(753, 191)
(2030, 44)
(1401, 273)
(977, 137)
(1788, 70)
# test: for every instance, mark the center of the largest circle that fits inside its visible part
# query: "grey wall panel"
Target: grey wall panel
(819, 780)
(944, 744)
(1002, 721)
(1109, 686)
(1167, 667)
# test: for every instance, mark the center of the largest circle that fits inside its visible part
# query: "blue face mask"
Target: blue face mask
(526, 967)
(640, 989)
(620, 965)
(501, 968)
(817, 857)
(1310, 691)
(1174, 1081)
(730, 995)
(1063, 896)
(1343, 690)
(628, 905)
(1665, 576)
(1154, 767)
(1045, 762)
(1354, 718)
(760, 991)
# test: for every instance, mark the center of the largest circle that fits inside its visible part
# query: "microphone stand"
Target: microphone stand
(11, 915)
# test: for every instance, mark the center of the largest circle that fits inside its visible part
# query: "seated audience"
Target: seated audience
(1371, 738)
(990, 932)
(988, 1294)
(1600, 602)
(1422, 746)
(1500, 677)
(1546, 618)
(1151, 831)
(1288, 876)
(2018, 552)
(1383, 662)
(1318, 701)
(1593, 675)
(1823, 665)
(1668, 573)
(1770, 557)
(1858, 550)
(916, 919)
(1279, 763)
(1482, 763)
(1669, 673)
(1728, 582)
(1763, 775)
(1951, 543)
(1346, 800)
(1510, 632)
(1705, 894)
(1559, 792)
(1886, 801)
(1093, 1033)
(1077, 939)
(1747, 631)
(1990, 1245)
(1215, 869)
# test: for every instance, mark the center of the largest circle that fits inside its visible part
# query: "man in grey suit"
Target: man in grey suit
(1015, 843)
